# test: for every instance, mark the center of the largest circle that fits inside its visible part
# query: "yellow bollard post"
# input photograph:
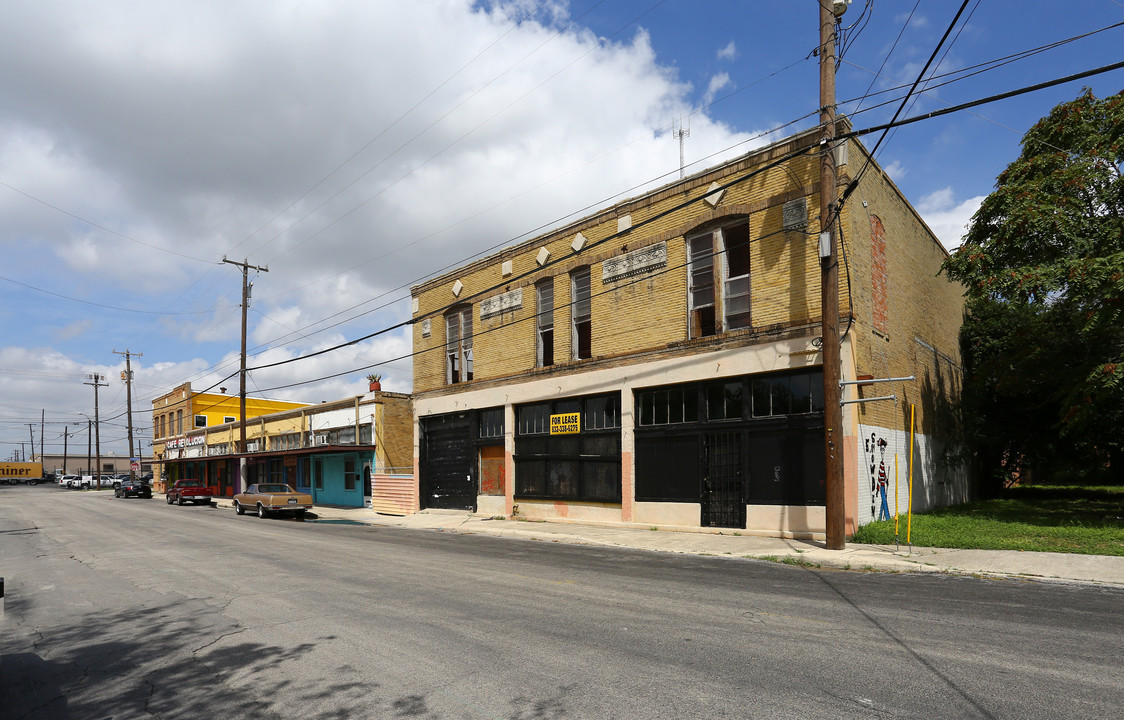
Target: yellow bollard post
(909, 519)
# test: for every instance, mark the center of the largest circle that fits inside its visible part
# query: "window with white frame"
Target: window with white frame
(544, 306)
(719, 258)
(701, 256)
(581, 312)
(458, 346)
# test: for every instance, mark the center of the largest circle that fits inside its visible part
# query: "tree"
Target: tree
(1043, 264)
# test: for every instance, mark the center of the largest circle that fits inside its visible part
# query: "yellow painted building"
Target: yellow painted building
(182, 413)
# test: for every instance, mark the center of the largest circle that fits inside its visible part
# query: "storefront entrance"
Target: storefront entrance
(448, 459)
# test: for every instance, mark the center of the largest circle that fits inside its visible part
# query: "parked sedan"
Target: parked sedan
(271, 498)
(133, 488)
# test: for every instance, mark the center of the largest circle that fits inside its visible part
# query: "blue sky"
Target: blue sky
(358, 147)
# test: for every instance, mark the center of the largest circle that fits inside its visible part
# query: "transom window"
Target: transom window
(755, 396)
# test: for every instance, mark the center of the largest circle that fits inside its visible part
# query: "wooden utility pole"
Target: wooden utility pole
(245, 265)
(96, 381)
(829, 288)
(65, 440)
(127, 376)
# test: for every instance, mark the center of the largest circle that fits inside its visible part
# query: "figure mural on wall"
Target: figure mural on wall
(884, 513)
(878, 481)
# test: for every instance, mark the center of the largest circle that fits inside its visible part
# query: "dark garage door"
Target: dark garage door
(447, 463)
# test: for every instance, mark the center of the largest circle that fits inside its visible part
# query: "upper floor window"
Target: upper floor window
(582, 314)
(200, 421)
(492, 423)
(544, 305)
(179, 422)
(458, 346)
(719, 258)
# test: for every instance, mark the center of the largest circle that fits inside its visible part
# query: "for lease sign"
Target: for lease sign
(566, 423)
(21, 470)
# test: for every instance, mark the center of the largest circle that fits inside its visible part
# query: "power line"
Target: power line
(614, 236)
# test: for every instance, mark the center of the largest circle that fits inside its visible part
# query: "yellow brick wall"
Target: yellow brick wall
(395, 434)
(649, 313)
(924, 311)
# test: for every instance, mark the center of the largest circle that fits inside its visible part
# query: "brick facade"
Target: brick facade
(901, 319)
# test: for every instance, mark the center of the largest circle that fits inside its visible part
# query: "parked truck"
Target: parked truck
(192, 491)
(14, 473)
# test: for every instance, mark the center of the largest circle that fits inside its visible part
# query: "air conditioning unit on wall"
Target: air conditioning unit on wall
(319, 440)
(252, 446)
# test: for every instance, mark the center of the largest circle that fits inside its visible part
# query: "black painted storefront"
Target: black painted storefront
(754, 440)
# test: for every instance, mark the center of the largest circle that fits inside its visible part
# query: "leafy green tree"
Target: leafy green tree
(1043, 264)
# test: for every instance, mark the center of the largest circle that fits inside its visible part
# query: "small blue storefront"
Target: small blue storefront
(331, 475)
(341, 478)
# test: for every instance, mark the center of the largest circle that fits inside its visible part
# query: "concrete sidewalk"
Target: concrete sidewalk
(1103, 570)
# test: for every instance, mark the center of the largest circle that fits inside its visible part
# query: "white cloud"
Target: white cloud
(204, 129)
(896, 171)
(717, 82)
(730, 52)
(946, 217)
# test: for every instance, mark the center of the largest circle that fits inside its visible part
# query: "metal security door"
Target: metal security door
(447, 473)
(723, 492)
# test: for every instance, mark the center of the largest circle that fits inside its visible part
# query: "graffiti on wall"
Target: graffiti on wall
(876, 454)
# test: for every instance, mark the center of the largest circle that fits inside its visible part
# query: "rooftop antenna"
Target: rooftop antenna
(682, 133)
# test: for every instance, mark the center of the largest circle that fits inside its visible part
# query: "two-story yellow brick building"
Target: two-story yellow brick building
(658, 362)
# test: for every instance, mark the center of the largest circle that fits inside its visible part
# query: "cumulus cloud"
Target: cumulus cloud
(717, 82)
(946, 217)
(896, 171)
(730, 52)
(322, 141)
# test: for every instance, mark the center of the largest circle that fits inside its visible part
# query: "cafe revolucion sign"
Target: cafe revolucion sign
(184, 442)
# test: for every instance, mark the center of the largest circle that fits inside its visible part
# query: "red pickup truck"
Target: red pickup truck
(193, 491)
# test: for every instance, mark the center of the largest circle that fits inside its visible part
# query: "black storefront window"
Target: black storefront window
(580, 466)
(777, 418)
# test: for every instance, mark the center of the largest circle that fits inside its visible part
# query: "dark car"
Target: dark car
(133, 488)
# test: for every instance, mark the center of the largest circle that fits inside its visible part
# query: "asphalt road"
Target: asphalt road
(136, 609)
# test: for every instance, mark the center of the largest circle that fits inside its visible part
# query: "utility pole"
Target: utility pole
(65, 439)
(246, 285)
(42, 422)
(96, 381)
(31, 431)
(89, 439)
(835, 501)
(127, 377)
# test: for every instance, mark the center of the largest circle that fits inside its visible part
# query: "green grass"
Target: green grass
(1068, 519)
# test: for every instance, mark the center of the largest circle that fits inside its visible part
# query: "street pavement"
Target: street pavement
(1103, 570)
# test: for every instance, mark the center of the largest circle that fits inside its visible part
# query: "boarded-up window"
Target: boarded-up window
(879, 292)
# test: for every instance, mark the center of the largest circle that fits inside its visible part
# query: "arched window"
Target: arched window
(719, 258)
